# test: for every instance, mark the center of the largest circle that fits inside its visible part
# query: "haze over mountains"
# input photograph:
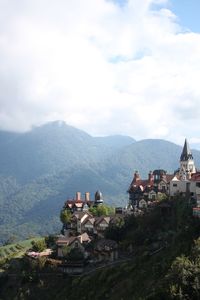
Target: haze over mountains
(39, 169)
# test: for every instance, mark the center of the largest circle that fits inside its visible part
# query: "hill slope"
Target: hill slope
(41, 168)
(164, 260)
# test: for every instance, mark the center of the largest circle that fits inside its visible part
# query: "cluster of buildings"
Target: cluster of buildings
(85, 222)
(85, 232)
(185, 180)
(84, 228)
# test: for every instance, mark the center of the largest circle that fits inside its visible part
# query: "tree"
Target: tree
(162, 197)
(75, 254)
(184, 279)
(101, 210)
(65, 251)
(65, 216)
(116, 230)
(50, 240)
(196, 251)
(39, 246)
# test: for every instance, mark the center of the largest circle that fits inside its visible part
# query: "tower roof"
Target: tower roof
(186, 153)
(98, 197)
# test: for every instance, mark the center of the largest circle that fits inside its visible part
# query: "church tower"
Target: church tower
(187, 166)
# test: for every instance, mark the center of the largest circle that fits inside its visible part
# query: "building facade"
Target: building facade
(186, 180)
(80, 204)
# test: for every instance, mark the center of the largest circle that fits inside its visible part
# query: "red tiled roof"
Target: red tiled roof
(149, 183)
(169, 177)
(195, 177)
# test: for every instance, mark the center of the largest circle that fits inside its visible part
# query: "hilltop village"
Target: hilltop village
(88, 225)
(185, 180)
(100, 250)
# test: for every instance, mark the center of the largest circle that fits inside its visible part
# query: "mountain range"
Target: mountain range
(41, 168)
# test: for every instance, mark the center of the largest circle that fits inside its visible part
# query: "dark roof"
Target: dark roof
(98, 196)
(91, 220)
(67, 241)
(169, 177)
(186, 153)
(79, 214)
(101, 219)
(159, 172)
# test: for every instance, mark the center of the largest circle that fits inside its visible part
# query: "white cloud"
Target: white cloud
(101, 67)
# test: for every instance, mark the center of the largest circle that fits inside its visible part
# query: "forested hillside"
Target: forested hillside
(164, 258)
(41, 168)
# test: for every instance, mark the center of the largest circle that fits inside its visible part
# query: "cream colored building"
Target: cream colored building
(187, 179)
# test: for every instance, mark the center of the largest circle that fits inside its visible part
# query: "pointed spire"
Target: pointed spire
(186, 153)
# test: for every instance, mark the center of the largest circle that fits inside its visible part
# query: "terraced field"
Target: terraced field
(16, 250)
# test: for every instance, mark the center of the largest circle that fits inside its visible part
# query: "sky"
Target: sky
(107, 67)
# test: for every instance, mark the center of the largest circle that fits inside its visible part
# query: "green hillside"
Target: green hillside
(40, 169)
(164, 264)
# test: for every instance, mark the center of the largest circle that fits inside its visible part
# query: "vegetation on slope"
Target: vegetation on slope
(41, 168)
(163, 264)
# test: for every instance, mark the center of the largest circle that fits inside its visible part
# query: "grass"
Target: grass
(16, 250)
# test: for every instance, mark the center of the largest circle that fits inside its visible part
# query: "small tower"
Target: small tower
(98, 198)
(187, 165)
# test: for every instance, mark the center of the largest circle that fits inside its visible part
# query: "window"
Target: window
(175, 184)
(163, 188)
(197, 184)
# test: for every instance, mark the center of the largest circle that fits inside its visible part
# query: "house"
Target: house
(72, 242)
(106, 250)
(89, 225)
(142, 204)
(101, 223)
(77, 220)
(149, 189)
(186, 179)
(78, 204)
(85, 222)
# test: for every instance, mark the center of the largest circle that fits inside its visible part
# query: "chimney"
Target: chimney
(78, 196)
(87, 196)
(150, 177)
(136, 176)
